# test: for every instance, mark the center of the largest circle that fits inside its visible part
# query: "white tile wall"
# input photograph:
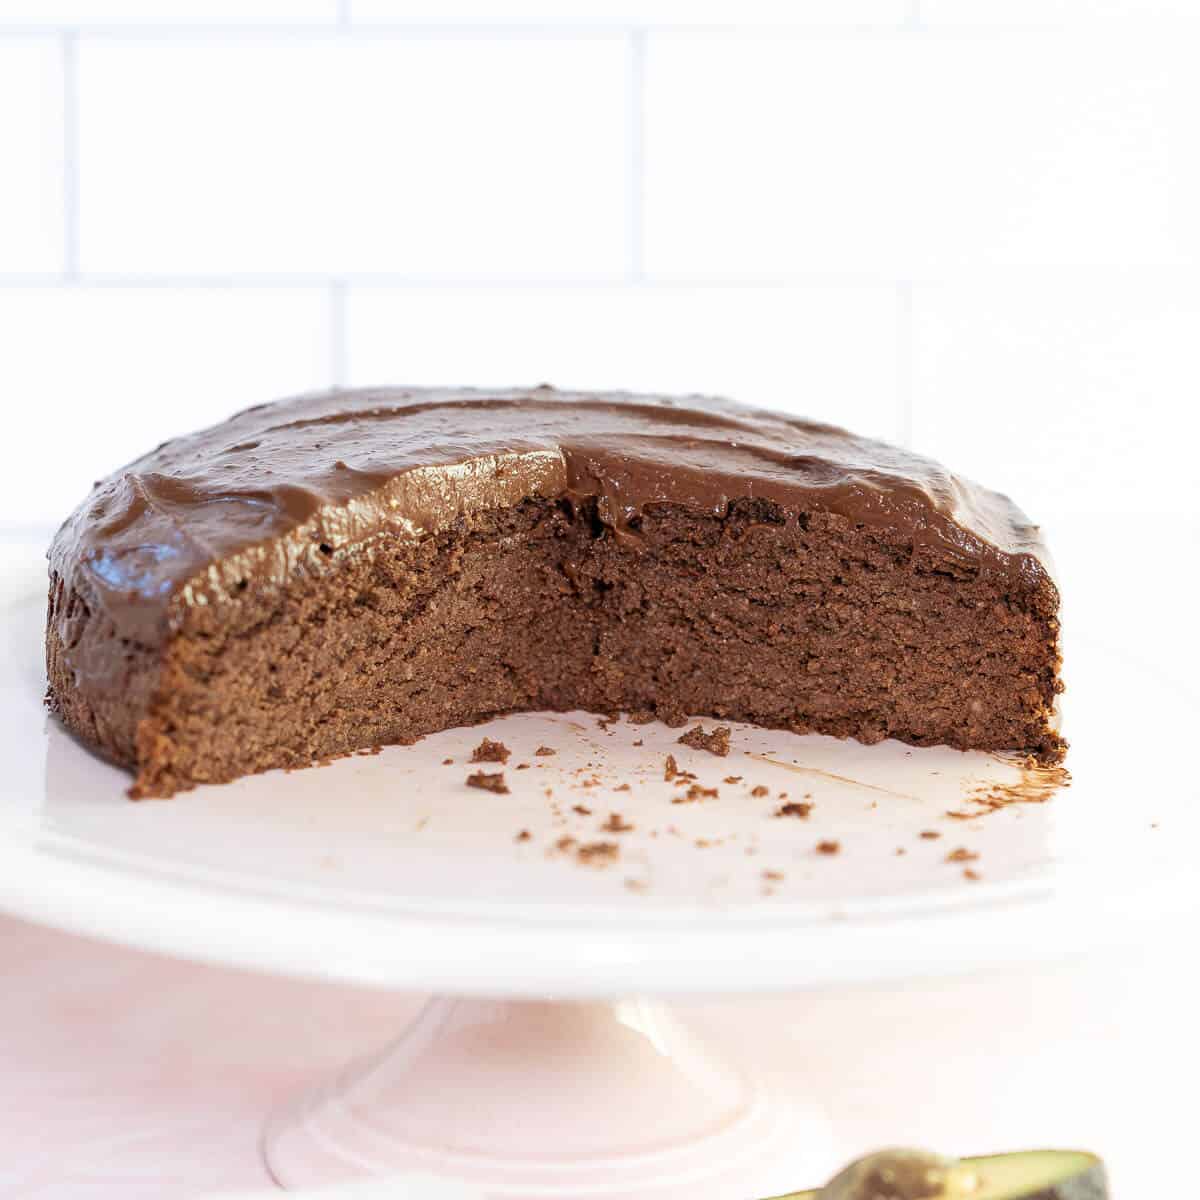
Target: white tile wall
(636, 12)
(166, 12)
(972, 223)
(330, 155)
(1047, 390)
(839, 365)
(1057, 13)
(108, 373)
(917, 155)
(31, 156)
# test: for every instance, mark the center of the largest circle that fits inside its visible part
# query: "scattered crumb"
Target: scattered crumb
(759, 791)
(524, 836)
(829, 847)
(971, 875)
(489, 782)
(775, 876)
(490, 752)
(616, 824)
(1036, 785)
(371, 750)
(545, 751)
(716, 742)
(639, 742)
(962, 854)
(900, 851)
(564, 844)
(695, 792)
(636, 885)
(671, 768)
(591, 782)
(522, 766)
(930, 835)
(598, 853)
(622, 787)
(446, 762)
(581, 809)
(961, 816)
(794, 809)
(732, 779)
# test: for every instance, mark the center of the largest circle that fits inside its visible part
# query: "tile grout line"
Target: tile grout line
(665, 281)
(338, 350)
(905, 347)
(69, 45)
(636, 131)
(343, 19)
(905, 353)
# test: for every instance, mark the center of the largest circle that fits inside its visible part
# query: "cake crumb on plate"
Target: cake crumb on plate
(716, 742)
(488, 782)
(490, 752)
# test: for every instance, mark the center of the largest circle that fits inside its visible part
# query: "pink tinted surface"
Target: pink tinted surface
(133, 1077)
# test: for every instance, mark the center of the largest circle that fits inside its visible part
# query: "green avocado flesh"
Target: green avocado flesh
(1028, 1175)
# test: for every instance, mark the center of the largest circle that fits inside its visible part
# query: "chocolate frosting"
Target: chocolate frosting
(293, 485)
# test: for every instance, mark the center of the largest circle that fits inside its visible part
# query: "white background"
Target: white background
(972, 226)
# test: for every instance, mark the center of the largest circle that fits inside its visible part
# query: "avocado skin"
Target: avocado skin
(1090, 1184)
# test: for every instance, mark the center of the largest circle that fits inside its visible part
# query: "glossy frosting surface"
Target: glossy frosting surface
(285, 486)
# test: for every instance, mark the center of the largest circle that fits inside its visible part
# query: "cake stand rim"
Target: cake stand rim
(505, 959)
(469, 955)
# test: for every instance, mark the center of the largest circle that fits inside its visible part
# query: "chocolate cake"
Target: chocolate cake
(348, 569)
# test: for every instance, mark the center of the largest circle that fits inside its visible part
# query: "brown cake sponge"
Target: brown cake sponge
(352, 569)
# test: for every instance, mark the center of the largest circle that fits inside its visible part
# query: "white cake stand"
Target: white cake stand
(546, 1071)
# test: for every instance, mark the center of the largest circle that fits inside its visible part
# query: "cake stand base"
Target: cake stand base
(526, 1099)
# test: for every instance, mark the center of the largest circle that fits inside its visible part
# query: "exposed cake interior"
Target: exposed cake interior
(790, 620)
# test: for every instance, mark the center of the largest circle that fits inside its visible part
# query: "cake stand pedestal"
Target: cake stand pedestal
(521, 1099)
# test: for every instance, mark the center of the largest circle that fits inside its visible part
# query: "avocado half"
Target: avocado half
(917, 1175)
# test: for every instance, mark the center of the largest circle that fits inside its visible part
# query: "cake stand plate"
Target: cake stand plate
(546, 912)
